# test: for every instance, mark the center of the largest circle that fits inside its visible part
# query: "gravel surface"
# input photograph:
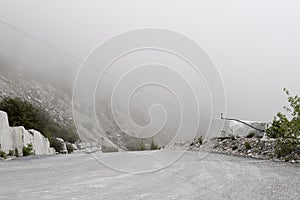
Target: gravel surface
(194, 176)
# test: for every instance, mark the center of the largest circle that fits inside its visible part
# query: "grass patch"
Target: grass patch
(250, 135)
(247, 145)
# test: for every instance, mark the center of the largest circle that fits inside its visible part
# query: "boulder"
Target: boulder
(63, 147)
(5, 138)
(52, 151)
(74, 146)
(80, 146)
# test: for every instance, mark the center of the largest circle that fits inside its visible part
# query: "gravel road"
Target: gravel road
(82, 176)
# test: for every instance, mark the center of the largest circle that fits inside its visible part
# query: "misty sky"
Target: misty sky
(254, 44)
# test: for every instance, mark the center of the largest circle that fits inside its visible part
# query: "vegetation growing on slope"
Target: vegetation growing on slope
(142, 146)
(23, 113)
(287, 128)
(247, 145)
(153, 145)
(282, 126)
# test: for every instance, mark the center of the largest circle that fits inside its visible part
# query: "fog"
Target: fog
(254, 45)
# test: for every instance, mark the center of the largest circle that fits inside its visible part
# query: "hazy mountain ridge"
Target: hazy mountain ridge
(59, 105)
(52, 100)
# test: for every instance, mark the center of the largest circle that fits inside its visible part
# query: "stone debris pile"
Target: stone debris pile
(261, 148)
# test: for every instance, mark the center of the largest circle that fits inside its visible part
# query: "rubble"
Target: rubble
(261, 148)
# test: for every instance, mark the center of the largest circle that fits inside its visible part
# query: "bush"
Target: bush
(247, 145)
(3, 154)
(284, 148)
(153, 145)
(251, 134)
(10, 152)
(16, 152)
(23, 113)
(142, 146)
(27, 151)
(282, 126)
(200, 140)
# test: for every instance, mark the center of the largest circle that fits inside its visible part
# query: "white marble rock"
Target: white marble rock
(12, 138)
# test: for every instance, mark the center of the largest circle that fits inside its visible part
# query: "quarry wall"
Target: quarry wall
(12, 138)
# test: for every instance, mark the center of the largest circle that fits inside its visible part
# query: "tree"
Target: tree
(19, 112)
(287, 127)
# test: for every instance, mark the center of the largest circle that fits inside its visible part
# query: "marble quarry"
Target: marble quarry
(15, 138)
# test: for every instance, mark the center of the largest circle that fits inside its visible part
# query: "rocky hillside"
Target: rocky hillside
(58, 104)
(54, 101)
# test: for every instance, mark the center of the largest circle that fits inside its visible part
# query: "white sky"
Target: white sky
(255, 44)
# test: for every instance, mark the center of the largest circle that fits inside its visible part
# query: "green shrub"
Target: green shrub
(10, 152)
(284, 127)
(3, 154)
(16, 152)
(284, 148)
(142, 146)
(200, 140)
(153, 145)
(247, 145)
(28, 150)
(251, 134)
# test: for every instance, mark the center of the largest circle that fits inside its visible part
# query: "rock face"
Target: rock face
(15, 138)
(20, 137)
(5, 137)
(41, 145)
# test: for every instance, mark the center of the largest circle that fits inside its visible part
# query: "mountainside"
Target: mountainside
(108, 134)
(54, 101)
(58, 104)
